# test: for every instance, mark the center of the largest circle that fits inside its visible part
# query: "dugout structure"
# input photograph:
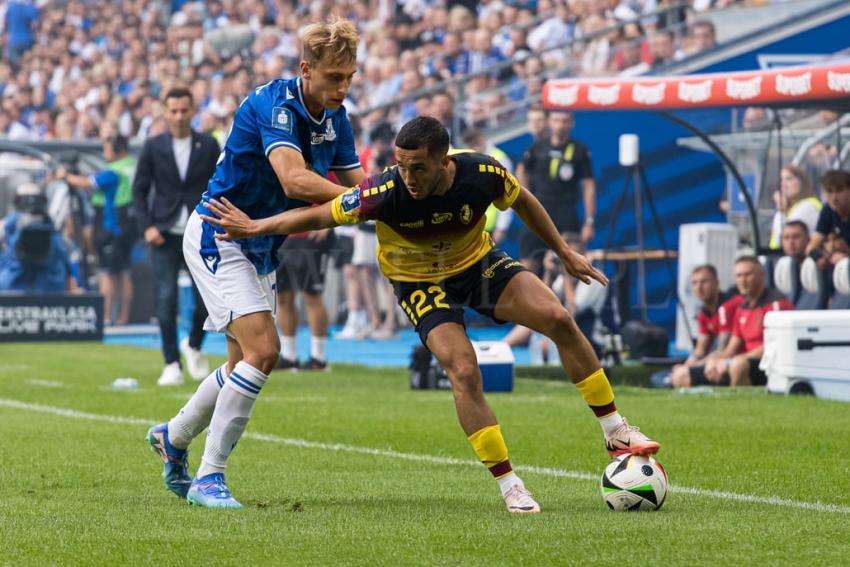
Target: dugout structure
(789, 125)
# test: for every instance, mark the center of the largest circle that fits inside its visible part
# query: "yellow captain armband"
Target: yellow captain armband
(346, 207)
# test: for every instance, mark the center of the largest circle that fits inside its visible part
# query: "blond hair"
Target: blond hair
(335, 41)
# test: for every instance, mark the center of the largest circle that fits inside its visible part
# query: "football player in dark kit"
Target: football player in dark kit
(429, 211)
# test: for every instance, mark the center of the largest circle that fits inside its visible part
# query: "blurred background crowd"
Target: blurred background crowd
(80, 70)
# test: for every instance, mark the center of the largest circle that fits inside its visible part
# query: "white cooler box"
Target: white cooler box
(808, 352)
(496, 360)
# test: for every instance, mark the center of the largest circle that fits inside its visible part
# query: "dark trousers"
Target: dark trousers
(167, 261)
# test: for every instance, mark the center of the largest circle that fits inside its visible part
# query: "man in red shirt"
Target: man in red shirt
(738, 364)
(715, 319)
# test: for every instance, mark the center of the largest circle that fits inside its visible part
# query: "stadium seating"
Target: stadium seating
(841, 284)
(816, 286)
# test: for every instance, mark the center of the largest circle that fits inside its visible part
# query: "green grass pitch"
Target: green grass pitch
(351, 467)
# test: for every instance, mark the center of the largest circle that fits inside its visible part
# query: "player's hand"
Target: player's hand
(579, 266)
(153, 236)
(587, 233)
(235, 223)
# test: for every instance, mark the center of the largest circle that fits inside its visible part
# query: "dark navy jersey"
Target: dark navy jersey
(272, 116)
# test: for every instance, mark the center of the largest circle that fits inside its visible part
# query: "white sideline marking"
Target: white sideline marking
(45, 383)
(545, 471)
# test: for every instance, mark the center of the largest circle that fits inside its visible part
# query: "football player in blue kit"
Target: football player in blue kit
(286, 136)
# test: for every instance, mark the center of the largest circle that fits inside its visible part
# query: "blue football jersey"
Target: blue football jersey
(273, 115)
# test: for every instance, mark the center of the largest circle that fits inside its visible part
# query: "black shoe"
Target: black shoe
(313, 364)
(283, 364)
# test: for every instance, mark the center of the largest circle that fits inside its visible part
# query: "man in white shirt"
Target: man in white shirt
(172, 173)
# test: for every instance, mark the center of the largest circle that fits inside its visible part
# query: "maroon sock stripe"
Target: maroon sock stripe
(502, 468)
(602, 411)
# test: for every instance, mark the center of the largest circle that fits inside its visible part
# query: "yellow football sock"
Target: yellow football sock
(597, 392)
(490, 447)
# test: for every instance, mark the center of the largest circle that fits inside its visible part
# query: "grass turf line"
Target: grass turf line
(80, 492)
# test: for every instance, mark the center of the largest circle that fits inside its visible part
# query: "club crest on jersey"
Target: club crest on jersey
(282, 118)
(330, 133)
(440, 218)
(350, 200)
(465, 213)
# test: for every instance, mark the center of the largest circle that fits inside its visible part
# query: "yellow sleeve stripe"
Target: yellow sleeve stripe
(379, 189)
(482, 168)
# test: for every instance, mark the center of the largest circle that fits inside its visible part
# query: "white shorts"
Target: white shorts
(365, 249)
(227, 280)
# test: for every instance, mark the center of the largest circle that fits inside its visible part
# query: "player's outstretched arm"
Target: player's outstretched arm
(537, 219)
(237, 224)
(299, 182)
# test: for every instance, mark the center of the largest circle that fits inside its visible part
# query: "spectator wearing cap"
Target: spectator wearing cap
(831, 239)
(738, 363)
(114, 228)
(176, 166)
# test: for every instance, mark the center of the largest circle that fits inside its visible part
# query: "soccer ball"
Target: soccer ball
(631, 482)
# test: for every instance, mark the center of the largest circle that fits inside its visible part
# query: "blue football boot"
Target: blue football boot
(175, 469)
(211, 491)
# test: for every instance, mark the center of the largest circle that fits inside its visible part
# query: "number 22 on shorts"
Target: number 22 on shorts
(421, 302)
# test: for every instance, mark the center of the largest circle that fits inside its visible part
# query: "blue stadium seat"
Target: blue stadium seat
(816, 284)
(841, 283)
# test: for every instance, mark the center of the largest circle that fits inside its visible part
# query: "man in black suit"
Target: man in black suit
(175, 167)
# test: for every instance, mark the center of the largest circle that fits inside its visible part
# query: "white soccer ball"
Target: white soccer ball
(631, 482)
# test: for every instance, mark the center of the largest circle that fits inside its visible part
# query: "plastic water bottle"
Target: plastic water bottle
(125, 384)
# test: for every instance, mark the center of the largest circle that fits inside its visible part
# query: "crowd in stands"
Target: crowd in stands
(82, 70)
(70, 67)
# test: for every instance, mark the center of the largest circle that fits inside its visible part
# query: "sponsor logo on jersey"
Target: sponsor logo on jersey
(417, 224)
(441, 246)
(465, 213)
(328, 136)
(350, 200)
(491, 271)
(282, 118)
(440, 218)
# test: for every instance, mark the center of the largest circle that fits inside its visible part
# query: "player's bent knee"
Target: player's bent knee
(465, 375)
(561, 325)
(262, 355)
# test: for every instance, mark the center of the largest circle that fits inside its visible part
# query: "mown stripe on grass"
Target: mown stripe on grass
(545, 471)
